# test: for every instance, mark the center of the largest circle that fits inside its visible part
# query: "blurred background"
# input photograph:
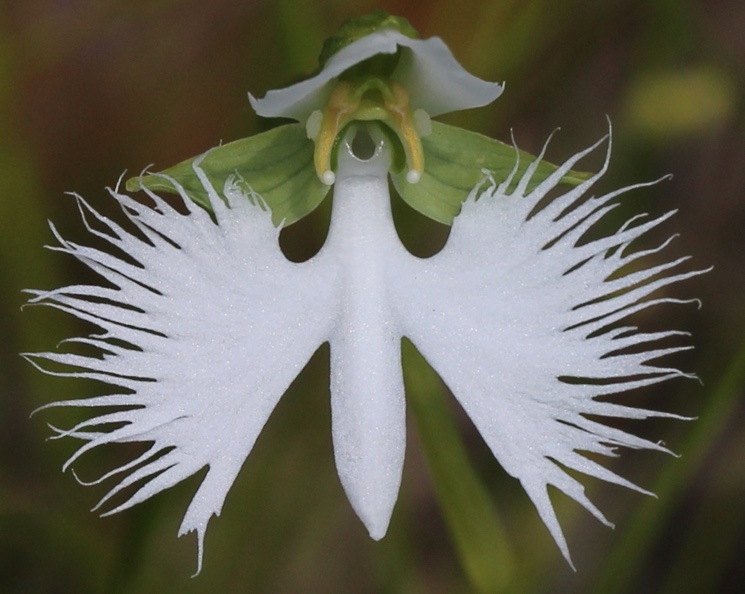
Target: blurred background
(90, 88)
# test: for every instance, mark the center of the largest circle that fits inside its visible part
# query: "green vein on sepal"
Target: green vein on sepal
(454, 160)
(277, 164)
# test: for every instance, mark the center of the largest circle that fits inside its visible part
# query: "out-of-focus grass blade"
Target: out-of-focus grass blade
(466, 505)
(640, 534)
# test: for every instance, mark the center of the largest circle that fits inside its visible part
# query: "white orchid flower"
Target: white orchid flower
(205, 323)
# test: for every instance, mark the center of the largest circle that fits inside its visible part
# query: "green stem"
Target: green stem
(652, 515)
(470, 515)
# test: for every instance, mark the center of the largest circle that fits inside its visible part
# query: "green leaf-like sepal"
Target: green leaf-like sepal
(454, 160)
(278, 165)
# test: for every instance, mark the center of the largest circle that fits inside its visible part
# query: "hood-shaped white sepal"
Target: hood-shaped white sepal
(435, 81)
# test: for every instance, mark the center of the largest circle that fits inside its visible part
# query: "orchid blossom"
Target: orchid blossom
(205, 323)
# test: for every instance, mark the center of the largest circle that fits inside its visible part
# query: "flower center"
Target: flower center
(368, 99)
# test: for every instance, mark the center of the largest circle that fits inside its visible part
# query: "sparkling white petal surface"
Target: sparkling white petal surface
(205, 324)
(367, 391)
(435, 81)
(518, 315)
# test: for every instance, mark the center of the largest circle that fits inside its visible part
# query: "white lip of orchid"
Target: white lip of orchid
(206, 323)
(435, 81)
(367, 389)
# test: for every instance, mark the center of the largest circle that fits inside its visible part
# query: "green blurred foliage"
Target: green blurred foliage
(89, 88)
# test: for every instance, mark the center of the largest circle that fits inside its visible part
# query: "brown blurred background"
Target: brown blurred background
(90, 88)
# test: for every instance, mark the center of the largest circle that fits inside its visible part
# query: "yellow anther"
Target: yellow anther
(372, 99)
(400, 110)
(341, 105)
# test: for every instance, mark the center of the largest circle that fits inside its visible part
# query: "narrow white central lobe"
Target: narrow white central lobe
(367, 392)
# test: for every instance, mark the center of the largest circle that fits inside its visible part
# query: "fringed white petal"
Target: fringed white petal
(435, 81)
(205, 325)
(516, 314)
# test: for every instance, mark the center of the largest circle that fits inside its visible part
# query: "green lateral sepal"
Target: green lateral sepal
(278, 165)
(454, 160)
